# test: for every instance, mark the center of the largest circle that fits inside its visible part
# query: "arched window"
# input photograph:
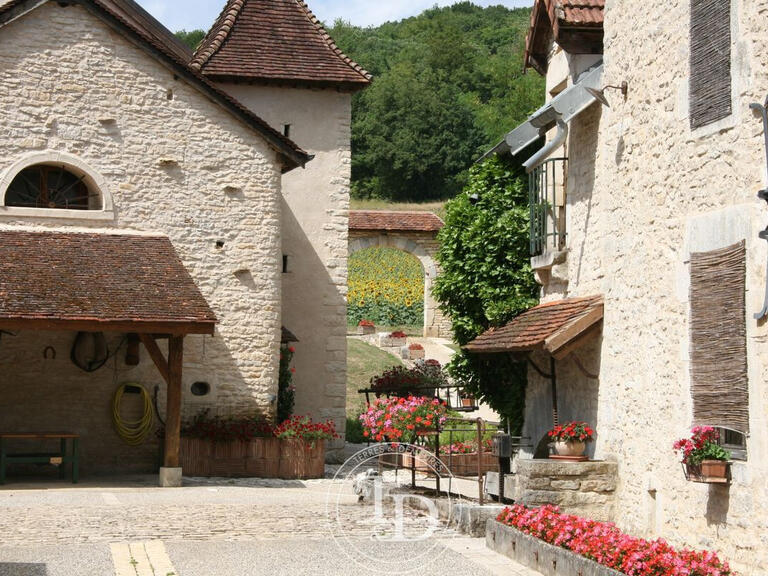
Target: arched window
(52, 187)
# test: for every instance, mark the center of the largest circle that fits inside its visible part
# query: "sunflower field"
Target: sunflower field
(386, 285)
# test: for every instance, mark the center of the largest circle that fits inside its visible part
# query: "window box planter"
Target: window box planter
(709, 472)
(388, 341)
(416, 354)
(366, 329)
(289, 459)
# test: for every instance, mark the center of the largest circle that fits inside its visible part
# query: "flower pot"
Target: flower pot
(709, 472)
(570, 448)
(366, 330)
(468, 402)
(416, 354)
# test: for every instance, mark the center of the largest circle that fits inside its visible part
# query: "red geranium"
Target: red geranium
(604, 543)
(572, 432)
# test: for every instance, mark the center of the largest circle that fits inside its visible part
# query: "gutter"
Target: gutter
(541, 156)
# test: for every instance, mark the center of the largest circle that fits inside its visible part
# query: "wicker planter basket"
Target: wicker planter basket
(366, 330)
(458, 464)
(289, 459)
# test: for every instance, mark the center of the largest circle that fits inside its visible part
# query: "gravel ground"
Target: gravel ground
(221, 527)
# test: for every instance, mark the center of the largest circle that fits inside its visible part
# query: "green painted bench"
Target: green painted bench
(59, 458)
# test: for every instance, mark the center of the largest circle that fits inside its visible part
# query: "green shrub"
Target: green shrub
(354, 431)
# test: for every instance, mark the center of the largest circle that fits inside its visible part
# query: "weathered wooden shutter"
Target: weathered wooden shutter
(719, 380)
(710, 82)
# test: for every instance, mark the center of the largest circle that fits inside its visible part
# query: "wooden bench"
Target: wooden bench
(59, 458)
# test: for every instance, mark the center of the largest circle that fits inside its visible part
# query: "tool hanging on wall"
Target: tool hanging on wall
(89, 351)
(763, 195)
(49, 353)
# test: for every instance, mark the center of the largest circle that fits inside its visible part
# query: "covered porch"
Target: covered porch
(54, 285)
(560, 342)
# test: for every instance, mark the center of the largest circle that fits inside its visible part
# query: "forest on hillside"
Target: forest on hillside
(448, 84)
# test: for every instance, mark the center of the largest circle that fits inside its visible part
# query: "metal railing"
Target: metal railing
(546, 199)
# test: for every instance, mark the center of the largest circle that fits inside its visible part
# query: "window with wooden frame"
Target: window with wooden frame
(719, 375)
(51, 187)
(710, 61)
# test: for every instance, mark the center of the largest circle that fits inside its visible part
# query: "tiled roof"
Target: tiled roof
(53, 279)
(391, 220)
(274, 41)
(534, 328)
(580, 12)
(576, 25)
(129, 16)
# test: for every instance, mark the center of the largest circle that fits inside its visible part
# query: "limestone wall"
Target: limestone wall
(424, 246)
(643, 192)
(315, 223)
(174, 163)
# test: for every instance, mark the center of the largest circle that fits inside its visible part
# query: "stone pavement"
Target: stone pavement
(212, 528)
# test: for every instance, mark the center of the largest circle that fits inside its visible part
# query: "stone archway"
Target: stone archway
(411, 232)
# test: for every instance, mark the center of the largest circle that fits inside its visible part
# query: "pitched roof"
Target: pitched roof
(275, 41)
(546, 327)
(130, 18)
(392, 220)
(576, 26)
(97, 282)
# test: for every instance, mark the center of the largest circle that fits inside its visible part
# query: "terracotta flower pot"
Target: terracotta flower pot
(709, 471)
(570, 448)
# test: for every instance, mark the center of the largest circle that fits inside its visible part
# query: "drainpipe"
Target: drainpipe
(540, 157)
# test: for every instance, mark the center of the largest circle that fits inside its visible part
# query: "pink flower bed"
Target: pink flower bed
(607, 545)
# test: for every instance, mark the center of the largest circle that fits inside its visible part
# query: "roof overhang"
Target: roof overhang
(577, 29)
(556, 328)
(89, 282)
(564, 107)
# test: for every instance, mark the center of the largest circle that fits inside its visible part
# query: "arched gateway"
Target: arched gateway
(412, 232)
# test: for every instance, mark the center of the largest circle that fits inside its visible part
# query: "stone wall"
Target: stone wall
(643, 192)
(315, 225)
(174, 163)
(580, 488)
(424, 246)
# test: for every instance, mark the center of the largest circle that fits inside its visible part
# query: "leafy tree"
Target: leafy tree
(192, 38)
(486, 278)
(448, 84)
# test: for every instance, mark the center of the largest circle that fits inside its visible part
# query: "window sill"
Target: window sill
(10, 213)
(548, 259)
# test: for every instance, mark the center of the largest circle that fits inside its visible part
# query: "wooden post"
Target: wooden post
(173, 403)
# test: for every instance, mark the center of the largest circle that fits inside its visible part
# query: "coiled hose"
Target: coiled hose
(134, 432)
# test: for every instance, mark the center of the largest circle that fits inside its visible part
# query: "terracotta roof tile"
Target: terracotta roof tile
(531, 329)
(275, 40)
(104, 278)
(580, 12)
(391, 220)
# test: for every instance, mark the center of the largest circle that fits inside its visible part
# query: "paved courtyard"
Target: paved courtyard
(217, 528)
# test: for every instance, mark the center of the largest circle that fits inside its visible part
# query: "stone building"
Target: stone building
(645, 240)
(166, 200)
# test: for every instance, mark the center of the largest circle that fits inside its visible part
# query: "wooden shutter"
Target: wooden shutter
(710, 82)
(719, 380)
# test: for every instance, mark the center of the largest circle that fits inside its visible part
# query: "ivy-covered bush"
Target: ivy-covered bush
(486, 278)
(286, 393)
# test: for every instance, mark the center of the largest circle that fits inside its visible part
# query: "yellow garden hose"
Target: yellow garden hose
(133, 432)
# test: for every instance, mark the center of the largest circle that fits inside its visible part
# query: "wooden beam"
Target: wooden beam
(578, 342)
(173, 402)
(156, 354)
(94, 325)
(132, 357)
(573, 329)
